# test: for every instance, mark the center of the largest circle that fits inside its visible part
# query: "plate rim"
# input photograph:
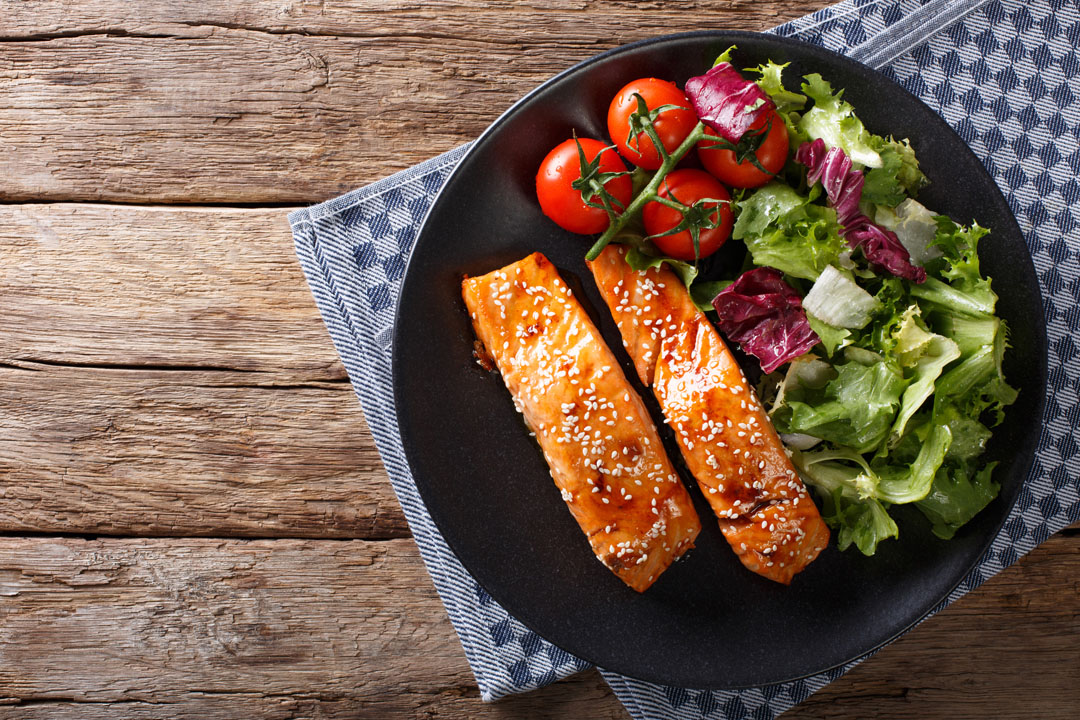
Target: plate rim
(1041, 381)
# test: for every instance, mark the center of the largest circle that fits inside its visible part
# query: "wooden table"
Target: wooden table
(194, 519)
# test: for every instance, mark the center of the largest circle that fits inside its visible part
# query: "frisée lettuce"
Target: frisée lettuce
(788, 231)
(896, 401)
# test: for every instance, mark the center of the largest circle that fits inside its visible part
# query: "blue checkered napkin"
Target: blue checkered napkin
(353, 250)
(1004, 73)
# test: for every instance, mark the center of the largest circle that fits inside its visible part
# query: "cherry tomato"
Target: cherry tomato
(671, 125)
(688, 186)
(772, 155)
(561, 202)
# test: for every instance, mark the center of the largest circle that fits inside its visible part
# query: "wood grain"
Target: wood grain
(205, 397)
(172, 287)
(561, 22)
(286, 628)
(258, 102)
(164, 372)
(1009, 651)
(152, 452)
(219, 629)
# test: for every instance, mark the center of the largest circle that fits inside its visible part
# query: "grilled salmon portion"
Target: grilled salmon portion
(726, 437)
(596, 434)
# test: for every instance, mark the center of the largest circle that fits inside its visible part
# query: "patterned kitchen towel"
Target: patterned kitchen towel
(1004, 73)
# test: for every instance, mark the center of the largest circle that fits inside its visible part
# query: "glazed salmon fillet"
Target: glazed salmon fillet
(726, 438)
(595, 432)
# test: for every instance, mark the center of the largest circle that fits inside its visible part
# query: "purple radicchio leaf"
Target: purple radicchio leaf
(727, 102)
(765, 316)
(882, 247)
(843, 186)
(833, 170)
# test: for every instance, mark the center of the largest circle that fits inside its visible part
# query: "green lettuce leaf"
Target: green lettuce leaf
(856, 496)
(785, 230)
(764, 208)
(639, 260)
(926, 354)
(840, 301)
(725, 57)
(977, 384)
(893, 302)
(956, 497)
(806, 372)
(960, 247)
(967, 291)
(833, 120)
(771, 81)
(832, 338)
(898, 177)
(899, 484)
(702, 293)
(911, 177)
(838, 469)
(978, 301)
(969, 435)
(912, 339)
(862, 522)
(846, 470)
(970, 332)
(856, 409)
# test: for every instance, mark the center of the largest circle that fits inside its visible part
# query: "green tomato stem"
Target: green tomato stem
(648, 193)
(673, 204)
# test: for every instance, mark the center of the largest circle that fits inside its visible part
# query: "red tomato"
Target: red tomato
(772, 154)
(562, 203)
(688, 186)
(671, 125)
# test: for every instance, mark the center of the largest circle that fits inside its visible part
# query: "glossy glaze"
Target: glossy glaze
(724, 434)
(603, 450)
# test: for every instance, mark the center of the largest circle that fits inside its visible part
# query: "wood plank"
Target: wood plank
(268, 629)
(187, 287)
(168, 102)
(233, 102)
(125, 452)
(1009, 651)
(213, 402)
(564, 700)
(225, 629)
(501, 21)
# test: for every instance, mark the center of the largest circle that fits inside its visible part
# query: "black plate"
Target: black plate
(707, 622)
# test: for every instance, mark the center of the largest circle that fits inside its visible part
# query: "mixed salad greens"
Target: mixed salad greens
(868, 312)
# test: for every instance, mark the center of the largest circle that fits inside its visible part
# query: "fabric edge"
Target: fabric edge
(306, 247)
(300, 217)
(354, 197)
